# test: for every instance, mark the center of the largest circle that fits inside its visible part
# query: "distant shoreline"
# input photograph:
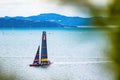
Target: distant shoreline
(58, 29)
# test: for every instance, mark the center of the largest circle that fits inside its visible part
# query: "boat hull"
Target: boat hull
(43, 65)
(34, 65)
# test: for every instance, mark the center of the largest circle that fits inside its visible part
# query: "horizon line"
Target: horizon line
(41, 14)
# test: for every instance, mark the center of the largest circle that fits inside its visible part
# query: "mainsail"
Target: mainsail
(44, 57)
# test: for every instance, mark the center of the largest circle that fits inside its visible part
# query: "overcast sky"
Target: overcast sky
(35, 7)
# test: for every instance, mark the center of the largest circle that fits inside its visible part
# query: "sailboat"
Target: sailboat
(43, 61)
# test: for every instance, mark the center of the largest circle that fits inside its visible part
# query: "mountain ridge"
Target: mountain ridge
(47, 20)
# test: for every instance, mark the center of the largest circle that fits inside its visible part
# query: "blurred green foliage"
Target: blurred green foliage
(7, 76)
(112, 14)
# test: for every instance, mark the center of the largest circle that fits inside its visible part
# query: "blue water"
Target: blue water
(76, 54)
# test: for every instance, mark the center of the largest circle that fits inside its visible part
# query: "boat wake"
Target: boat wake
(82, 62)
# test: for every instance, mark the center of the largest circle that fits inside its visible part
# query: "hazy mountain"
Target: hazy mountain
(61, 19)
(14, 23)
(50, 20)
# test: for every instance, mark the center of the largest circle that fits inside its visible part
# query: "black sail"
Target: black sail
(36, 60)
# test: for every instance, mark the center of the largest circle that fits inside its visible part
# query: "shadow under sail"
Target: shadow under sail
(43, 61)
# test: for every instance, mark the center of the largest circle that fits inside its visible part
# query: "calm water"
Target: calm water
(76, 54)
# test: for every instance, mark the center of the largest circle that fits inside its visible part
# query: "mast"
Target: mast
(44, 57)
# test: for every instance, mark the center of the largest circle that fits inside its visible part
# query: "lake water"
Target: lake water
(76, 54)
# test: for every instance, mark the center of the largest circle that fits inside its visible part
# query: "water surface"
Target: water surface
(76, 54)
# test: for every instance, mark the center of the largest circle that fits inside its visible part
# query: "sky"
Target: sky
(36, 7)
